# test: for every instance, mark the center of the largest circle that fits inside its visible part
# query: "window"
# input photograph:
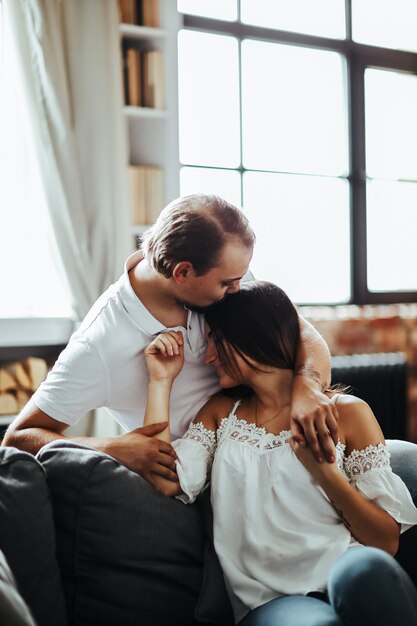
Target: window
(30, 283)
(305, 114)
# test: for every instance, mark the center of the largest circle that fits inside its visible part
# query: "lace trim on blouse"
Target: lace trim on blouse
(353, 467)
(203, 436)
(358, 463)
(361, 461)
(249, 433)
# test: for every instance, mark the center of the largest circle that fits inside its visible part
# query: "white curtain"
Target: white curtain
(69, 57)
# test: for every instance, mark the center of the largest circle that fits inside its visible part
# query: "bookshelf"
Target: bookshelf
(153, 130)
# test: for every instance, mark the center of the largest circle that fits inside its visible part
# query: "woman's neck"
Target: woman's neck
(272, 399)
(273, 389)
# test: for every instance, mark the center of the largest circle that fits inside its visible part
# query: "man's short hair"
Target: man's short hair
(194, 228)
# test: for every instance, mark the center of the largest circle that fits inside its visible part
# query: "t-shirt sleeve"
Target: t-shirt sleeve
(76, 384)
(370, 471)
(195, 452)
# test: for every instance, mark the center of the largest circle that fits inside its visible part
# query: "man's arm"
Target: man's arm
(313, 415)
(138, 450)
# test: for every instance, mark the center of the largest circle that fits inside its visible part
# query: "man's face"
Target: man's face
(232, 265)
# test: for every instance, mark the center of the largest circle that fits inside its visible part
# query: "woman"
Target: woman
(300, 542)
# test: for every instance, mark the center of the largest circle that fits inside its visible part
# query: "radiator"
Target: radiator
(381, 380)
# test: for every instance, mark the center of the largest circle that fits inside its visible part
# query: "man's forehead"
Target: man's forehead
(234, 261)
(231, 272)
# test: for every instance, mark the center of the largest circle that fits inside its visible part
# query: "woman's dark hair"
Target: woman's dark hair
(260, 322)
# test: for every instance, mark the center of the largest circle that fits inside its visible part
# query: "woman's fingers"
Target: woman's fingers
(168, 344)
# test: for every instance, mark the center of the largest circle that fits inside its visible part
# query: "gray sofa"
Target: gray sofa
(91, 543)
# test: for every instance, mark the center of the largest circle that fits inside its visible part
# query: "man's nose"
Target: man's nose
(234, 287)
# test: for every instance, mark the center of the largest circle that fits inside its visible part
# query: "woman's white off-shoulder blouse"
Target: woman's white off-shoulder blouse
(275, 530)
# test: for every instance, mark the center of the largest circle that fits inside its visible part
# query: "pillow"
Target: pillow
(27, 536)
(128, 555)
(404, 463)
(13, 610)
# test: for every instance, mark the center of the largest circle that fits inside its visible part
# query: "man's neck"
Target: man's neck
(153, 291)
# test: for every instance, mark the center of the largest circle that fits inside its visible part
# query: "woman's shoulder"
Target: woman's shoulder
(349, 405)
(217, 407)
(357, 423)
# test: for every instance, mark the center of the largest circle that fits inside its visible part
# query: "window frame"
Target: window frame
(358, 57)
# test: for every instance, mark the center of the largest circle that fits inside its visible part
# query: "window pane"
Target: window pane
(391, 124)
(224, 183)
(294, 109)
(208, 83)
(217, 9)
(386, 23)
(302, 229)
(391, 236)
(322, 17)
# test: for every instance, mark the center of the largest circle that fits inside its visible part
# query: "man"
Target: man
(197, 252)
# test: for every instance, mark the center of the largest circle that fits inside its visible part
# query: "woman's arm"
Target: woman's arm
(313, 416)
(164, 359)
(367, 522)
(195, 451)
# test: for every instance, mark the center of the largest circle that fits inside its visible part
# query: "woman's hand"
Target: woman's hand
(166, 487)
(165, 356)
(319, 471)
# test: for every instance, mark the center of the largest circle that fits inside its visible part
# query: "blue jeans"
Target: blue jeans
(366, 586)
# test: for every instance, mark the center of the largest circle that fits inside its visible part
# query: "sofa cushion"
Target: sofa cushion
(404, 463)
(128, 555)
(27, 536)
(13, 609)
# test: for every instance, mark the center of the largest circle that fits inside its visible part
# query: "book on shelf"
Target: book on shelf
(153, 79)
(146, 192)
(149, 14)
(139, 12)
(133, 77)
(143, 73)
(136, 181)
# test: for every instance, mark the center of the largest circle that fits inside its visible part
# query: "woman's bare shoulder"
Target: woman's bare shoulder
(357, 422)
(216, 408)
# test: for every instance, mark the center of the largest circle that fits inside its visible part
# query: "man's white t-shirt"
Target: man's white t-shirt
(104, 365)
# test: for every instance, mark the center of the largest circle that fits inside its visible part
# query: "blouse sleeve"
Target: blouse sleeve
(369, 470)
(195, 452)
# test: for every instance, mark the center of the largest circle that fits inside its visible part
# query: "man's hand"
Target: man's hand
(319, 471)
(313, 419)
(140, 452)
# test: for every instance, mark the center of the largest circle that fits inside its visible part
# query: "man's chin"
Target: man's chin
(199, 308)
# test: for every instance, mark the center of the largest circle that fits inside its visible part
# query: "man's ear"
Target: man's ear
(182, 271)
